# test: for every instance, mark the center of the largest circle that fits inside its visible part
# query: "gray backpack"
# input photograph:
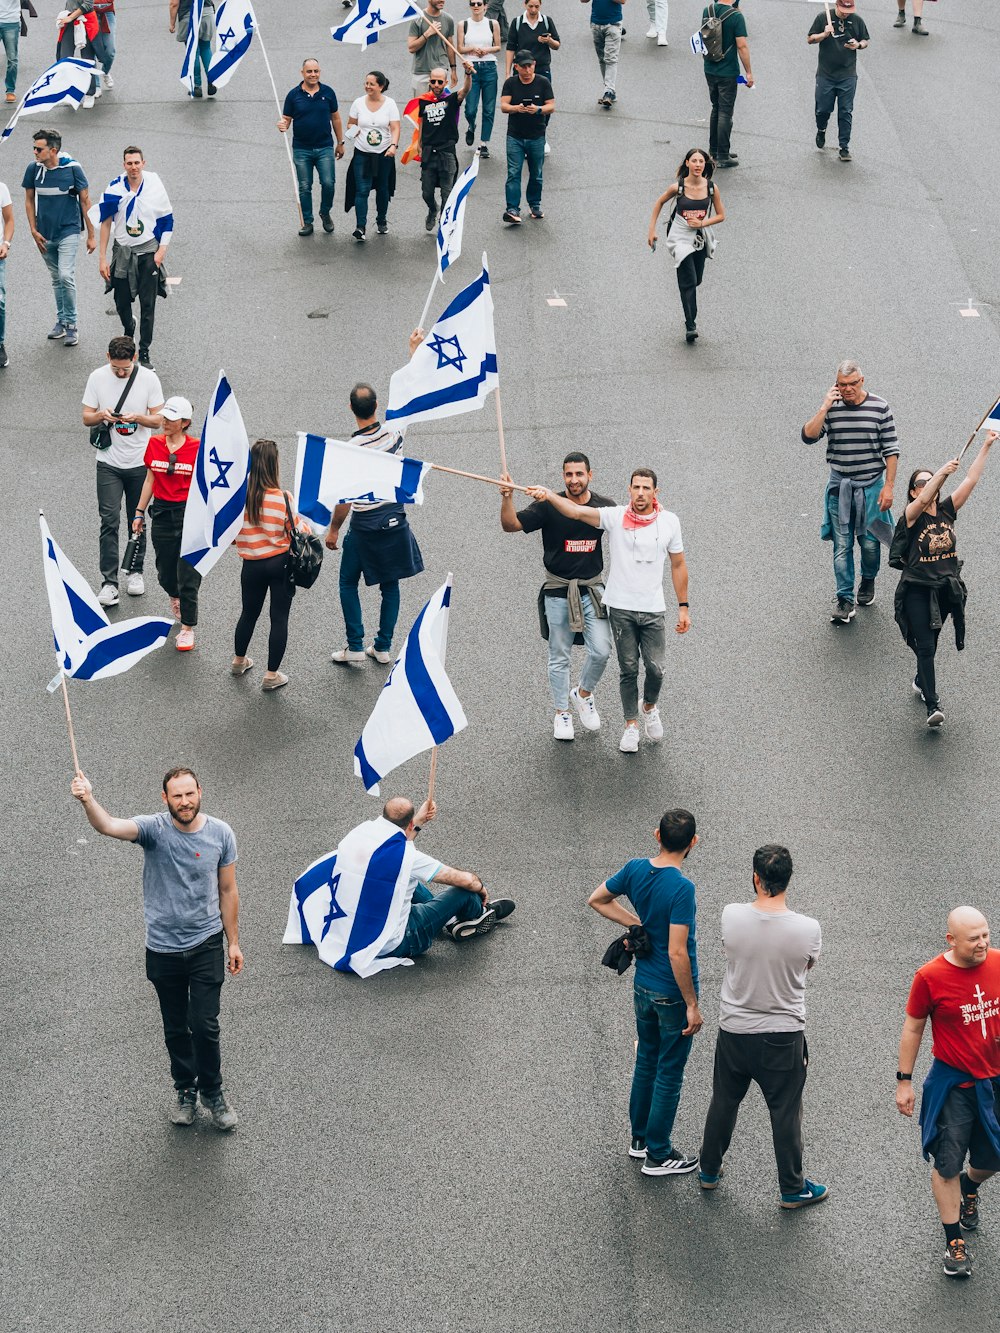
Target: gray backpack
(711, 33)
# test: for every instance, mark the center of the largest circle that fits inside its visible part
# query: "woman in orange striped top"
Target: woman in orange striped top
(263, 544)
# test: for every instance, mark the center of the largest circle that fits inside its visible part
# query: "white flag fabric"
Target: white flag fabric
(992, 422)
(148, 211)
(452, 224)
(235, 24)
(331, 472)
(191, 45)
(217, 499)
(369, 18)
(66, 83)
(88, 646)
(455, 367)
(352, 903)
(418, 708)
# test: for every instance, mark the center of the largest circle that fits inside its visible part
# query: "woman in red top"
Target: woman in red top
(170, 460)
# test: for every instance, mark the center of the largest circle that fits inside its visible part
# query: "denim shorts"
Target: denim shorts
(960, 1131)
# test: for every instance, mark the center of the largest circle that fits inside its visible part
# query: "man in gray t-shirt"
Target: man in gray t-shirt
(191, 901)
(427, 42)
(762, 1014)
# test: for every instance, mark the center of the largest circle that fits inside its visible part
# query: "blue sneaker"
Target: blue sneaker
(58, 331)
(72, 336)
(809, 1193)
(709, 1182)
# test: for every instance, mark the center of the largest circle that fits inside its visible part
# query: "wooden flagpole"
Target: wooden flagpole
(433, 774)
(451, 46)
(503, 447)
(69, 720)
(474, 476)
(982, 420)
(277, 103)
(430, 297)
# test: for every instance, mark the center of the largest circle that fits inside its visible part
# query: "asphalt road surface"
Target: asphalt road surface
(443, 1147)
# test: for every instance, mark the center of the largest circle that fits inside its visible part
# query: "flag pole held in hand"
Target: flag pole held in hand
(288, 146)
(992, 415)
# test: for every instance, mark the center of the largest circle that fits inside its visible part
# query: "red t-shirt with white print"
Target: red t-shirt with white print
(964, 1008)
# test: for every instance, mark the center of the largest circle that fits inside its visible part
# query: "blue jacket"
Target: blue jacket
(940, 1081)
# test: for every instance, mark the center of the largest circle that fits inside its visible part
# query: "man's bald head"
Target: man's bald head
(968, 936)
(398, 810)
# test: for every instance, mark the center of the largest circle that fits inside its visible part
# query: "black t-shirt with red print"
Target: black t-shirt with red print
(571, 549)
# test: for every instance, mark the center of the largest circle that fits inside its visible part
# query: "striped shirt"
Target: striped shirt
(385, 441)
(859, 437)
(269, 536)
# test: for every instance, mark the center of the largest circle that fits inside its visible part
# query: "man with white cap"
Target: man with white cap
(839, 38)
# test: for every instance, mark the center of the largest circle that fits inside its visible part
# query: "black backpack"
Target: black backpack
(712, 33)
(899, 547)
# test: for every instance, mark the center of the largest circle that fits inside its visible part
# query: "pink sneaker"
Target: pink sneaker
(185, 641)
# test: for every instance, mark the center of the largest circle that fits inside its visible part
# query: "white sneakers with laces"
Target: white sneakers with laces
(586, 710)
(653, 725)
(136, 585)
(629, 743)
(562, 728)
(108, 596)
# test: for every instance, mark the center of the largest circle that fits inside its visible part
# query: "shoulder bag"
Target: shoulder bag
(305, 554)
(100, 436)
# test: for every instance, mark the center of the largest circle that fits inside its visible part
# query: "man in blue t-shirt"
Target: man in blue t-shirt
(311, 108)
(606, 30)
(56, 201)
(190, 900)
(666, 987)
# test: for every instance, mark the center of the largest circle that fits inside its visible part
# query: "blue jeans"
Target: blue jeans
(841, 91)
(202, 56)
(350, 601)
(843, 550)
(659, 1069)
(520, 151)
(60, 260)
(3, 299)
(104, 44)
(429, 914)
(597, 641)
(322, 159)
(484, 84)
(10, 34)
(371, 172)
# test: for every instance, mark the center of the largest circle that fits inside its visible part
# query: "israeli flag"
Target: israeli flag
(992, 422)
(455, 367)
(367, 20)
(191, 45)
(698, 46)
(417, 708)
(88, 646)
(452, 224)
(235, 24)
(330, 472)
(66, 83)
(217, 499)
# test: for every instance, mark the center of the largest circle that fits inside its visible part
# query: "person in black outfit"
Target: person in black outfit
(837, 73)
(534, 32)
(439, 113)
(930, 588)
(526, 100)
(698, 206)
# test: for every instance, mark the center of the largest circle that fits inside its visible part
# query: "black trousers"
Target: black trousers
(176, 577)
(438, 170)
(188, 986)
(257, 579)
(777, 1063)
(923, 640)
(690, 272)
(149, 279)
(720, 125)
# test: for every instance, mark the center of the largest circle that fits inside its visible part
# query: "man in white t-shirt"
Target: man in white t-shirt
(762, 1017)
(120, 467)
(6, 236)
(640, 535)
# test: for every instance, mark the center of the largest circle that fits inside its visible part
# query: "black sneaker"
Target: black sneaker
(637, 1148)
(843, 611)
(821, 138)
(480, 925)
(604, 100)
(957, 1262)
(900, 19)
(145, 362)
(845, 155)
(866, 592)
(223, 1115)
(470, 135)
(918, 691)
(430, 221)
(183, 1112)
(918, 28)
(196, 93)
(306, 229)
(691, 334)
(4, 358)
(212, 90)
(381, 228)
(511, 216)
(674, 1164)
(969, 1216)
(731, 161)
(327, 222)
(502, 907)
(359, 234)
(934, 715)
(484, 150)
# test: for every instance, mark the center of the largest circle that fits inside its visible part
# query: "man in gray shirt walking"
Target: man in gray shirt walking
(762, 1014)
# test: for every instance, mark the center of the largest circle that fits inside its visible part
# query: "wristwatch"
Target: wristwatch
(903, 1078)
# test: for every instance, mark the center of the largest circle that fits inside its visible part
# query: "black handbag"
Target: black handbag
(305, 554)
(100, 436)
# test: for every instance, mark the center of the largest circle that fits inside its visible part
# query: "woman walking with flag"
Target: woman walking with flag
(373, 124)
(698, 206)
(930, 587)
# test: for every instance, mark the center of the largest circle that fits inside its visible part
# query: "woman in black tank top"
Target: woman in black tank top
(698, 207)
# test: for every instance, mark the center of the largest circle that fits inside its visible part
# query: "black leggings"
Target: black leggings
(690, 271)
(923, 640)
(257, 578)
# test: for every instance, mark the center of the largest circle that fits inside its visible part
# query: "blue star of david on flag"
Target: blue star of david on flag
(335, 911)
(216, 502)
(222, 469)
(65, 83)
(438, 345)
(365, 22)
(236, 23)
(375, 20)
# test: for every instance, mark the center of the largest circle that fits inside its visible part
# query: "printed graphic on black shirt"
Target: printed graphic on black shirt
(933, 545)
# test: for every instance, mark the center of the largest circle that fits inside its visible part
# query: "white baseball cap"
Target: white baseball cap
(176, 409)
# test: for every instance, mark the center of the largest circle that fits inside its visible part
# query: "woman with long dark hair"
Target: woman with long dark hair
(263, 544)
(930, 588)
(698, 206)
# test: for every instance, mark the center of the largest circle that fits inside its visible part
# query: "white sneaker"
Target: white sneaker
(88, 102)
(108, 81)
(548, 148)
(661, 39)
(377, 655)
(136, 585)
(654, 727)
(345, 656)
(562, 729)
(629, 743)
(652, 31)
(586, 710)
(108, 596)
(98, 90)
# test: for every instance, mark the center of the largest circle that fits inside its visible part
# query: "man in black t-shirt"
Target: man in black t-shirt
(526, 100)
(439, 110)
(534, 32)
(837, 74)
(569, 602)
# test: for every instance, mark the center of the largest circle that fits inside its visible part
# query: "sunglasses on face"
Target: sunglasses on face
(436, 83)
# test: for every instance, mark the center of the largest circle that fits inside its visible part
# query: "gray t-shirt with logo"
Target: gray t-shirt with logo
(767, 958)
(180, 880)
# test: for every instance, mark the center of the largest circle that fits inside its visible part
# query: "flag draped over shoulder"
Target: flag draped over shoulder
(88, 646)
(353, 903)
(235, 24)
(455, 367)
(418, 708)
(149, 205)
(411, 112)
(66, 83)
(369, 18)
(217, 499)
(452, 224)
(330, 472)
(191, 45)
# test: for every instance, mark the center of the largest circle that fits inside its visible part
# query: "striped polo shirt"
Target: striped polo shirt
(269, 536)
(859, 437)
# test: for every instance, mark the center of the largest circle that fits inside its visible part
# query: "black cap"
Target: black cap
(524, 58)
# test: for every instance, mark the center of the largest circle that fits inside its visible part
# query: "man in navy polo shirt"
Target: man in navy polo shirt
(56, 201)
(312, 108)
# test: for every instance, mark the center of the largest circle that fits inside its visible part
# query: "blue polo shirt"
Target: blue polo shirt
(662, 898)
(310, 115)
(605, 11)
(57, 211)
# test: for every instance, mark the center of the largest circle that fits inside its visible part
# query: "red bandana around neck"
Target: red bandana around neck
(634, 520)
